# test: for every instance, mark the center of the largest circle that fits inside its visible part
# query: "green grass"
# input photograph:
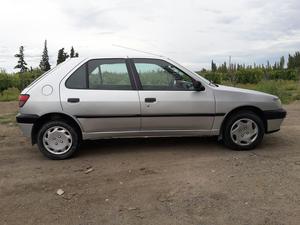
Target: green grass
(287, 90)
(11, 94)
(8, 118)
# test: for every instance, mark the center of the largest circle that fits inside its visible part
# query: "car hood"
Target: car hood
(243, 91)
(228, 98)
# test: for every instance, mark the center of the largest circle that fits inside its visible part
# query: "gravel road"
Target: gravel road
(152, 181)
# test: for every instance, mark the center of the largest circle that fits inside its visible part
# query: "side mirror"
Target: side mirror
(198, 86)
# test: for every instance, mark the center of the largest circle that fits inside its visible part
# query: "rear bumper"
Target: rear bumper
(274, 119)
(26, 118)
(25, 122)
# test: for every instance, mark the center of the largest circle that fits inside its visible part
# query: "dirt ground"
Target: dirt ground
(152, 181)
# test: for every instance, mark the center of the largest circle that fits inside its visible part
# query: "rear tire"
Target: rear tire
(244, 130)
(58, 140)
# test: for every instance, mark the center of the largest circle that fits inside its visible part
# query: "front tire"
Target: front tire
(58, 140)
(243, 130)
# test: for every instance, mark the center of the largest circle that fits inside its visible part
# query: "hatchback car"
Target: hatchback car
(95, 98)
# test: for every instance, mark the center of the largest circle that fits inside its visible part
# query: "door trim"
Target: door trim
(154, 115)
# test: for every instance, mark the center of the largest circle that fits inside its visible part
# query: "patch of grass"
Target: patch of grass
(287, 90)
(8, 118)
(11, 94)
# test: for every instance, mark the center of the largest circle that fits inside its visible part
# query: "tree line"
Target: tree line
(241, 73)
(44, 63)
(232, 73)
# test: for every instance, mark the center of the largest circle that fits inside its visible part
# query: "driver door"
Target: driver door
(168, 98)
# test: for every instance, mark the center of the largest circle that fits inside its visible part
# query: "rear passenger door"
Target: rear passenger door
(102, 95)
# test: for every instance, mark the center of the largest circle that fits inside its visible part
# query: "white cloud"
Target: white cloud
(192, 32)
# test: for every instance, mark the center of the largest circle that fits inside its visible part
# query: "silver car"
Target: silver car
(95, 98)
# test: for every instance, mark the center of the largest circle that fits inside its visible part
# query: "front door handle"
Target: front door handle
(149, 100)
(73, 100)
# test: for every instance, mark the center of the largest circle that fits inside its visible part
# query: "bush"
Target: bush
(215, 77)
(10, 94)
(18, 80)
(288, 74)
(4, 82)
(251, 76)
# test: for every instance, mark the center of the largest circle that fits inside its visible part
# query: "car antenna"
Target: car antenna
(137, 50)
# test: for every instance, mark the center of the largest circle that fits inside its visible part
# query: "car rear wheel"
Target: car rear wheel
(244, 130)
(58, 140)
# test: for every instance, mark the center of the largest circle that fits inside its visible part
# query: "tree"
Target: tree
(73, 54)
(213, 66)
(223, 68)
(44, 64)
(62, 56)
(281, 62)
(294, 61)
(22, 65)
(268, 65)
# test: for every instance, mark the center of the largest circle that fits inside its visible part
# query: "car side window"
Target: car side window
(78, 79)
(160, 75)
(108, 74)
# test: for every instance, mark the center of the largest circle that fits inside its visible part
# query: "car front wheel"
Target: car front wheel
(244, 130)
(58, 140)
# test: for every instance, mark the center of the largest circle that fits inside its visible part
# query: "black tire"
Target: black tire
(71, 130)
(244, 114)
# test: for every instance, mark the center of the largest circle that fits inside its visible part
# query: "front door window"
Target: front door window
(160, 75)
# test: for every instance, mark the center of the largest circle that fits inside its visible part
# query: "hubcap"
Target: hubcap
(244, 132)
(57, 140)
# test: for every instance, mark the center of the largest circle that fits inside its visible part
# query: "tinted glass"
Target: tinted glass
(78, 79)
(160, 75)
(108, 74)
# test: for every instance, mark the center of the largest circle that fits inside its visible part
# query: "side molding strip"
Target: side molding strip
(154, 115)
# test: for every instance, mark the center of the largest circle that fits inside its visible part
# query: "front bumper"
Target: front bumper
(25, 122)
(274, 119)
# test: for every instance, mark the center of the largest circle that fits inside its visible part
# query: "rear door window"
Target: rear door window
(101, 74)
(108, 74)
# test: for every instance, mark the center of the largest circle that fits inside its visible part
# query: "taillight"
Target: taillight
(23, 99)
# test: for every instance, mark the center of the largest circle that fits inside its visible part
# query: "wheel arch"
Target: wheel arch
(51, 117)
(253, 109)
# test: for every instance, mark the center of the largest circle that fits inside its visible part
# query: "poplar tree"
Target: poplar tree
(213, 66)
(73, 54)
(44, 64)
(281, 62)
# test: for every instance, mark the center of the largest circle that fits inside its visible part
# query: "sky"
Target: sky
(192, 32)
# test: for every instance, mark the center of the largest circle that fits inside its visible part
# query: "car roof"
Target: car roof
(118, 55)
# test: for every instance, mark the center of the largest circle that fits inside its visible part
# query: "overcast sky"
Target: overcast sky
(191, 32)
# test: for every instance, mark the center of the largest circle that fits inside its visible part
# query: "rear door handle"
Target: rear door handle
(73, 100)
(149, 100)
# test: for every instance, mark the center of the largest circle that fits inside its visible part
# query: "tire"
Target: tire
(58, 140)
(244, 130)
